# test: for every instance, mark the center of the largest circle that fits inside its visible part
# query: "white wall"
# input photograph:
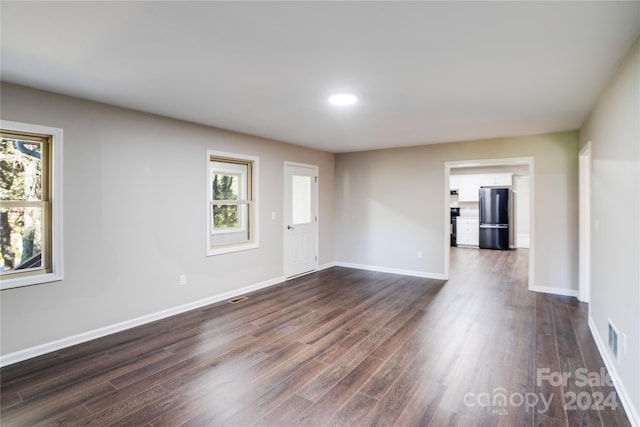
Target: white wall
(399, 198)
(612, 128)
(134, 217)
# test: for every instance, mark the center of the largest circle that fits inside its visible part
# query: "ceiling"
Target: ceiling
(424, 72)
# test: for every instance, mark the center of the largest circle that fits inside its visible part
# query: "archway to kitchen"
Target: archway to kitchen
(486, 172)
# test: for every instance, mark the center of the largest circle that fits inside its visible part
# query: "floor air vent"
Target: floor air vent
(237, 300)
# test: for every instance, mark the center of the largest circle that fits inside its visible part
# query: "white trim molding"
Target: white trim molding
(507, 161)
(414, 273)
(39, 350)
(584, 223)
(254, 216)
(57, 265)
(623, 394)
(554, 291)
(326, 266)
(522, 241)
(285, 234)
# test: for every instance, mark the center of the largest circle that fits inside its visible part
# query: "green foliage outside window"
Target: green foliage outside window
(225, 187)
(20, 180)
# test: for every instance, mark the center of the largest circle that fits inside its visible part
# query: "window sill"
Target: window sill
(232, 248)
(36, 279)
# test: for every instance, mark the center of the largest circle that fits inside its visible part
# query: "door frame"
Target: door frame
(518, 183)
(584, 220)
(508, 161)
(317, 215)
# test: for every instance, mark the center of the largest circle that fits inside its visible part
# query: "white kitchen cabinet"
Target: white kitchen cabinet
(454, 182)
(505, 179)
(467, 231)
(468, 185)
(495, 179)
(468, 188)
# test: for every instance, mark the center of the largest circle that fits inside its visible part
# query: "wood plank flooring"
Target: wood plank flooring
(337, 347)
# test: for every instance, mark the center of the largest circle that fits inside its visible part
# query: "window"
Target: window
(301, 199)
(231, 203)
(30, 204)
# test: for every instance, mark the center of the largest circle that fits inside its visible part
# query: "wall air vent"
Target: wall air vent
(613, 340)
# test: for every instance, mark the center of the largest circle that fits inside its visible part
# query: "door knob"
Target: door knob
(290, 227)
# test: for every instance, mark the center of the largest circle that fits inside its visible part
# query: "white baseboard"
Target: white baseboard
(555, 291)
(39, 350)
(413, 273)
(327, 265)
(522, 241)
(623, 394)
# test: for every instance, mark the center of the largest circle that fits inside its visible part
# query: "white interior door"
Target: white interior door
(300, 219)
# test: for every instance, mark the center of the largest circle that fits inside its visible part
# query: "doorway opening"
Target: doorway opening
(521, 175)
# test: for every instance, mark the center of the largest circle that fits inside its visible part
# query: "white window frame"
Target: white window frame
(56, 271)
(242, 179)
(253, 211)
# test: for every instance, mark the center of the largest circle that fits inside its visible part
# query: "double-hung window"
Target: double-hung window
(30, 204)
(231, 202)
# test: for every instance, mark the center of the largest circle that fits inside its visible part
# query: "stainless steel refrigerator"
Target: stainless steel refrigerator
(494, 218)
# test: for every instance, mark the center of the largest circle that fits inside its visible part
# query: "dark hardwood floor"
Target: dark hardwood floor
(337, 347)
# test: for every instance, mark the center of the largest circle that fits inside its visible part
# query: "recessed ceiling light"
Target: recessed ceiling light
(343, 99)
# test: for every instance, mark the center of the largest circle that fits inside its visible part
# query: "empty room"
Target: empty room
(235, 213)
